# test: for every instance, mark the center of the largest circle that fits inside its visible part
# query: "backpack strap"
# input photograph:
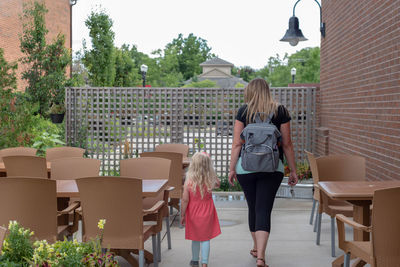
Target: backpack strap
(268, 120)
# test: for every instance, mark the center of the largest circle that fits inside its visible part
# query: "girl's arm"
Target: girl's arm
(184, 203)
(236, 146)
(289, 152)
(217, 182)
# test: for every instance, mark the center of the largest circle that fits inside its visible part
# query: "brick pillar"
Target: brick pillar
(322, 146)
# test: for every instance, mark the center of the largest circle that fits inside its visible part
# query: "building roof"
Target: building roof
(227, 82)
(216, 61)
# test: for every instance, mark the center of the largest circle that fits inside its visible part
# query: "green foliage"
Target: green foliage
(100, 60)
(225, 186)
(239, 85)
(57, 108)
(188, 52)
(46, 63)
(17, 247)
(125, 71)
(247, 73)
(7, 73)
(44, 141)
(202, 84)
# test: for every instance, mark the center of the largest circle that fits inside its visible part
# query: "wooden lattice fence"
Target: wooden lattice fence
(118, 123)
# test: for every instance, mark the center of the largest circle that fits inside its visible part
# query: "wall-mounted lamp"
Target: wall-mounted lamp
(293, 34)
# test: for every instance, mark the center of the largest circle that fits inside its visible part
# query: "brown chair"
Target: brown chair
(32, 202)
(178, 148)
(74, 168)
(17, 151)
(316, 193)
(384, 248)
(337, 168)
(27, 166)
(64, 152)
(118, 200)
(150, 168)
(3, 232)
(175, 181)
(71, 169)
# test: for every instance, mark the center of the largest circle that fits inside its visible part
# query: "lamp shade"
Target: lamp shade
(293, 34)
(143, 68)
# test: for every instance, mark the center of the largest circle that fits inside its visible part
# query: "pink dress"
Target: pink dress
(201, 217)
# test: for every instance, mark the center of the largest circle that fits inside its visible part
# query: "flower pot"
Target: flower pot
(57, 118)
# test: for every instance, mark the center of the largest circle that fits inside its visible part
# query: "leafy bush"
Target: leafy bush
(225, 186)
(202, 84)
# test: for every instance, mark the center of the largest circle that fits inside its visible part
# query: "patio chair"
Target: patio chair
(71, 169)
(178, 148)
(341, 167)
(384, 248)
(17, 151)
(118, 200)
(32, 202)
(150, 168)
(316, 194)
(175, 181)
(74, 168)
(3, 232)
(27, 166)
(64, 152)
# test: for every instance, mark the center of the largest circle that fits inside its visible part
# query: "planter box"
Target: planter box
(301, 190)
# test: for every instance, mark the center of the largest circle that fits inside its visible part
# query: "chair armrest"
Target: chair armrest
(355, 225)
(170, 188)
(159, 205)
(69, 209)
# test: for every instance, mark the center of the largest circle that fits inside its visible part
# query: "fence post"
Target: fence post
(177, 115)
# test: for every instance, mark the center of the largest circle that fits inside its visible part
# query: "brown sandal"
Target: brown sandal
(263, 265)
(253, 253)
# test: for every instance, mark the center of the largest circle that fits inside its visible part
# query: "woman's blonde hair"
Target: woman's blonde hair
(201, 173)
(258, 98)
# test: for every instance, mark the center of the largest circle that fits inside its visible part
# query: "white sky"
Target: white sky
(243, 32)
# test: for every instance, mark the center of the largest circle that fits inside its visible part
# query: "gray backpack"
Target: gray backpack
(260, 151)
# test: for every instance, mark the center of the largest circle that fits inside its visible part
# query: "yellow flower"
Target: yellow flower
(101, 224)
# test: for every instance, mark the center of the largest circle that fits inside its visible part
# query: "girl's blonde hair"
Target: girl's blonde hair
(201, 173)
(258, 98)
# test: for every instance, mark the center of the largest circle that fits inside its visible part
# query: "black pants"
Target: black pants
(260, 190)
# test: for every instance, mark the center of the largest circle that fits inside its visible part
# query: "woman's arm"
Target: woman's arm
(289, 152)
(236, 146)
(184, 203)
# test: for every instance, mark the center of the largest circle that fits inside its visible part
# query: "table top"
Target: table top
(69, 188)
(354, 190)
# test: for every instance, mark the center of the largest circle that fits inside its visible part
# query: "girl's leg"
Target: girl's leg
(195, 251)
(205, 252)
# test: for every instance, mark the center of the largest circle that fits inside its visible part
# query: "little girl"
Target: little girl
(198, 210)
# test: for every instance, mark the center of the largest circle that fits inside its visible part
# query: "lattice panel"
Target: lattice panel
(118, 123)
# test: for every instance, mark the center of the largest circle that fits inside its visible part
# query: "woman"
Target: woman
(260, 187)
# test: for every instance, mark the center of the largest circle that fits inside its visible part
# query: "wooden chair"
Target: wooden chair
(337, 168)
(27, 166)
(118, 200)
(384, 248)
(316, 194)
(71, 169)
(175, 180)
(74, 168)
(64, 152)
(32, 202)
(17, 151)
(150, 168)
(177, 148)
(3, 232)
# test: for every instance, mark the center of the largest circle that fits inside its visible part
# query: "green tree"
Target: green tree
(46, 63)
(190, 51)
(100, 59)
(126, 74)
(201, 84)
(307, 64)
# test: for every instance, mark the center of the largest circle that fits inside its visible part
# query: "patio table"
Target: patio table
(360, 194)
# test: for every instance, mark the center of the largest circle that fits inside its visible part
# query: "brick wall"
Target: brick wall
(57, 20)
(360, 82)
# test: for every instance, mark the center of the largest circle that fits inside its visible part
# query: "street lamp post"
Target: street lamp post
(143, 69)
(293, 72)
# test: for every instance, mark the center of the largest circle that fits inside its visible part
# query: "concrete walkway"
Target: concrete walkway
(292, 240)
